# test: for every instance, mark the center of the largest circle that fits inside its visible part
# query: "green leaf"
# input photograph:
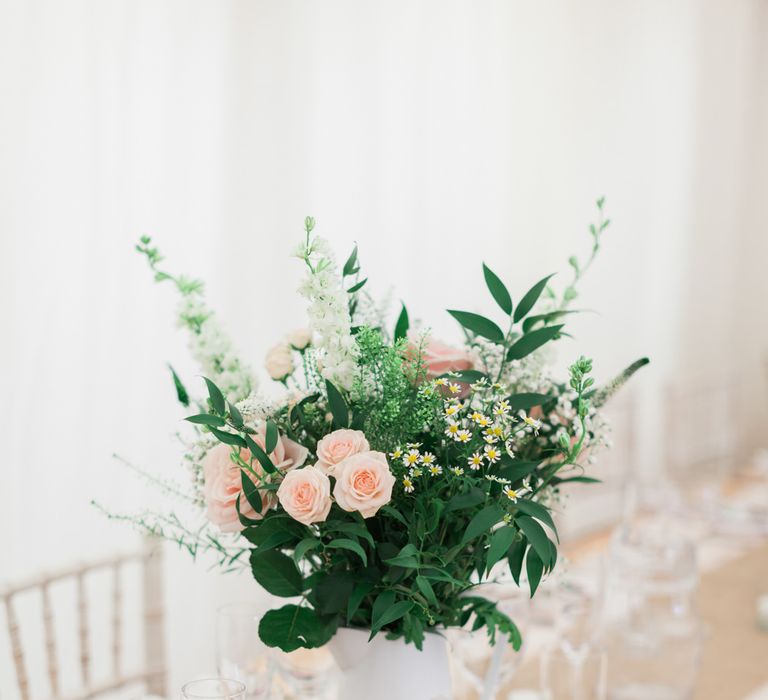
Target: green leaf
(259, 454)
(538, 511)
(466, 500)
(479, 325)
(501, 541)
(276, 573)
(207, 419)
(402, 325)
(306, 545)
(439, 575)
(468, 376)
(356, 529)
(227, 438)
(515, 559)
(534, 567)
(351, 545)
(407, 558)
(531, 297)
(270, 437)
(357, 287)
(529, 342)
(235, 415)
(482, 522)
(358, 593)
(392, 613)
(251, 492)
(332, 592)
(216, 397)
(181, 392)
(272, 541)
(396, 514)
(350, 264)
(516, 469)
(273, 524)
(536, 536)
(427, 591)
(578, 480)
(338, 406)
(552, 555)
(382, 603)
(531, 321)
(498, 290)
(526, 401)
(292, 627)
(244, 519)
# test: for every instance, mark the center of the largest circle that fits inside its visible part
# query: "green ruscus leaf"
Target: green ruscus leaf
(479, 325)
(338, 406)
(529, 300)
(529, 342)
(402, 325)
(497, 289)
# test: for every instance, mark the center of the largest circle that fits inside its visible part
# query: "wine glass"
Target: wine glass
(240, 652)
(213, 689)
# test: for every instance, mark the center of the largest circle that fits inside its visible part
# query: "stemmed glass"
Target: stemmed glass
(240, 653)
(213, 689)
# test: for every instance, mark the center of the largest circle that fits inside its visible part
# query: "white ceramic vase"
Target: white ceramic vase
(391, 670)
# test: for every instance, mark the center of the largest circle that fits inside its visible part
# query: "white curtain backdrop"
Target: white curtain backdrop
(435, 134)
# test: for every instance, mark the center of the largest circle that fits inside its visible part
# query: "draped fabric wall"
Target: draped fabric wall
(433, 133)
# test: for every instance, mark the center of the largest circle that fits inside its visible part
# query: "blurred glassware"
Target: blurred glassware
(213, 689)
(307, 674)
(649, 624)
(239, 650)
(574, 665)
(478, 669)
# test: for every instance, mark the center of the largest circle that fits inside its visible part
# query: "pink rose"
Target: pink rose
(440, 358)
(305, 494)
(363, 483)
(337, 446)
(223, 482)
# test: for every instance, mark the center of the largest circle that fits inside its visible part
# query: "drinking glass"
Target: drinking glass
(213, 689)
(651, 628)
(240, 653)
(308, 674)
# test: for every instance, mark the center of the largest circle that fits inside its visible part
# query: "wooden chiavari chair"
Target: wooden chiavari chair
(152, 675)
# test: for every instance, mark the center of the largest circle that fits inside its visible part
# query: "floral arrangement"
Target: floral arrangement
(397, 471)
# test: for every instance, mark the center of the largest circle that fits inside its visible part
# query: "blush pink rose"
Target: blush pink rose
(305, 494)
(363, 483)
(223, 482)
(440, 358)
(337, 446)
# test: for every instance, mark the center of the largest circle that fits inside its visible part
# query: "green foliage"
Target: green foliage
(395, 410)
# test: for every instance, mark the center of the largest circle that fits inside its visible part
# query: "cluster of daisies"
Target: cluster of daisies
(479, 428)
